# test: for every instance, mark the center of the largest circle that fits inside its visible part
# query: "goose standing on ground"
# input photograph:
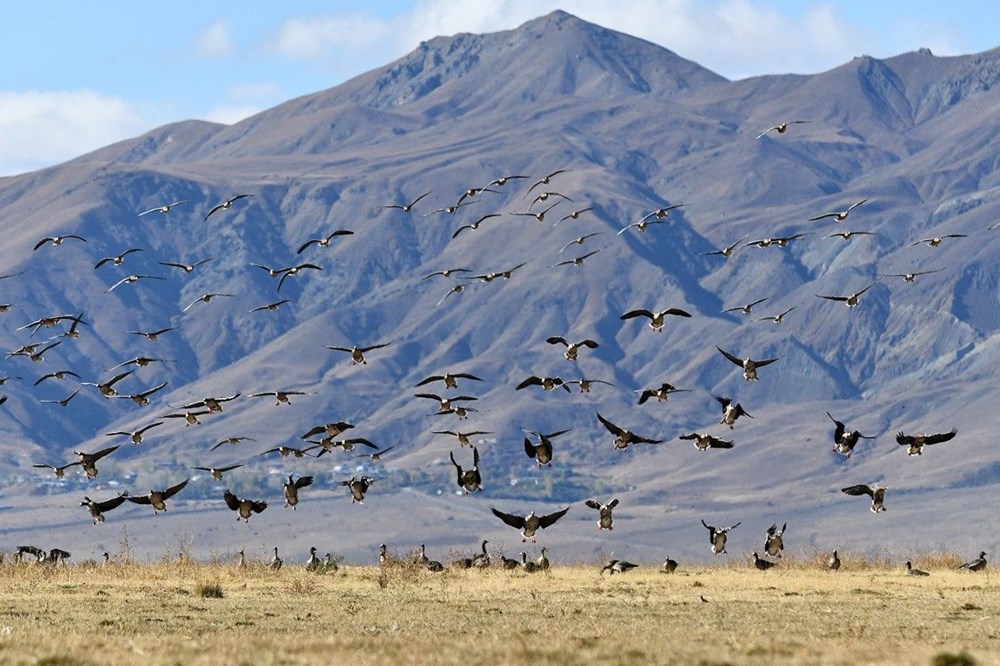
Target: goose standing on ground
(529, 524)
(977, 564)
(313, 563)
(157, 498)
(774, 543)
(730, 411)
(910, 571)
(781, 128)
(833, 562)
(749, 365)
(543, 559)
(509, 563)
(468, 480)
(762, 564)
(529, 567)
(276, 561)
(242, 563)
(624, 437)
(292, 488)
(656, 319)
(844, 442)
(606, 520)
(703, 442)
(876, 492)
(481, 560)
(243, 507)
(618, 566)
(918, 442)
(717, 536)
(669, 565)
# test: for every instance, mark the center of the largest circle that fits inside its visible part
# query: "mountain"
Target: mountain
(630, 128)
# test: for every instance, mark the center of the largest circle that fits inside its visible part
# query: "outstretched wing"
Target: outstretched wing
(173, 490)
(593, 504)
(940, 437)
(729, 356)
(612, 428)
(232, 501)
(545, 521)
(858, 490)
(513, 521)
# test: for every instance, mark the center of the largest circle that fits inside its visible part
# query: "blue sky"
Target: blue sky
(81, 75)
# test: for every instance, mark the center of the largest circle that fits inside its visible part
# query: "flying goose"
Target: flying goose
(285, 451)
(243, 507)
(529, 524)
(325, 241)
(212, 403)
(730, 412)
(58, 374)
(447, 272)
(495, 275)
(142, 398)
(852, 300)
(468, 480)
(586, 384)
(833, 562)
(117, 260)
(572, 348)
(749, 365)
(910, 571)
(206, 298)
(231, 440)
(624, 437)
(58, 240)
(474, 226)
(762, 564)
(227, 204)
(450, 210)
(165, 208)
(407, 207)
(529, 567)
(606, 521)
(140, 361)
(187, 268)
(463, 437)
(838, 215)
(579, 240)
(217, 472)
(717, 536)
(89, 460)
(655, 217)
(703, 442)
(917, 442)
(444, 404)
(661, 393)
(544, 196)
(331, 429)
(450, 379)
(152, 335)
(377, 455)
(157, 498)
(293, 271)
(774, 543)
(541, 452)
(358, 353)
(575, 215)
(781, 128)
(280, 397)
(97, 509)
(779, 241)
(778, 318)
(60, 471)
(544, 180)
(358, 487)
(36, 354)
(292, 487)
(276, 561)
(877, 493)
(618, 566)
(62, 403)
(328, 444)
(844, 442)
(538, 215)
(270, 307)
(725, 251)
(748, 307)
(656, 319)
(909, 277)
(576, 261)
(848, 235)
(977, 564)
(936, 240)
(136, 435)
(547, 383)
(543, 559)
(669, 565)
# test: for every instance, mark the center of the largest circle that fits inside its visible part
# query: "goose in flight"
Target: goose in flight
(331, 429)
(140, 361)
(848, 235)
(703, 442)
(165, 208)
(280, 397)
(407, 207)
(206, 298)
(839, 215)
(717, 536)
(656, 319)
(781, 128)
(624, 437)
(547, 383)
(218, 472)
(909, 277)
(586, 384)
(294, 270)
(778, 318)
(606, 520)
(450, 379)
(450, 210)
(243, 507)
(457, 289)
(358, 487)
(725, 251)
(496, 275)
(579, 240)
(852, 300)
(780, 241)
(748, 307)
(286, 451)
(575, 261)
(58, 374)
(474, 226)
(58, 240)
(937, 240)
(324, 241)
(62, 403)
(152, 336)
(446, 272)
(843, 441)
(328, 444)
(212, 403)
(544, 196)
(60, 471)
(661, 393)
(358, 353)
(657, 216)
(117, 260)
(730, 411)
(97, 509)
(529, 524)
(544, 180)
(157, 498)
(231, 440)
(469, 480)
(444, 404)
(190, 416)
(292, 488)
(463, 437)
(187, 268)
(142, 398)
(916, 443)
(774, 542)
(227, 204)
(572, 348)
(541, 452)
(575, 215)
(876, 492)
(538, 215)
(748, 364)
(107, 388)
(270, 307)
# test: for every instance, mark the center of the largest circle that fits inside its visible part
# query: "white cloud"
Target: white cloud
(214, 40)
(326, 37)
(39, 129)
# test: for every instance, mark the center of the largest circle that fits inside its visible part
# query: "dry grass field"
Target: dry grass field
(171, 613)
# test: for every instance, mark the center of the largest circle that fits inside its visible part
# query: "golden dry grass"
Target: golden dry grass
(159, 614)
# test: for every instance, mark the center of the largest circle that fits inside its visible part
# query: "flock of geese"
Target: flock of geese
(540, 199)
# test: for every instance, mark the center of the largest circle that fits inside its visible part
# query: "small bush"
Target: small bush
(211, 590)
(962, 658)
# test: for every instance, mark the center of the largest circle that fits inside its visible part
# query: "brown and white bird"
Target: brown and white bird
(726, 251)
(292, 488)
(358, 353)
(450, 379)
(937, 240)
(135, 436)
(656, 319)
(572, 348)
(541, 452)
(324, 241)
(778, 318)
(918, 442)
(618, 567)
(407, 207)
(661, 393)
(717, 536)
(217, 472)
(657, 216)
(977, 564)
(118, 259)
(529, 524)
(910, 571)
(843, 441)
(748, 307)
(89, 460)
(165, 208)
(606, 520)
(469, 480)
(579, 240)
(909, 277)
(703, 442)
(774, 542)
(876, 492)
(838, 215)
(781, 128)
(206, 298)
(58, 240)
(132, 279)
(624, 437)
(778, 241)
(157, 498)
(358, 487)
(60, 471)
(761, 563)
(547, 383)
(97, 509)
(852, 300)
(464, 438)
(749, 365)
(730, 411)
(227, 204)
(280, 397)
(243, 507)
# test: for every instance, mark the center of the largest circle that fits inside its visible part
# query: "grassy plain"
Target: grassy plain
(799, 613)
